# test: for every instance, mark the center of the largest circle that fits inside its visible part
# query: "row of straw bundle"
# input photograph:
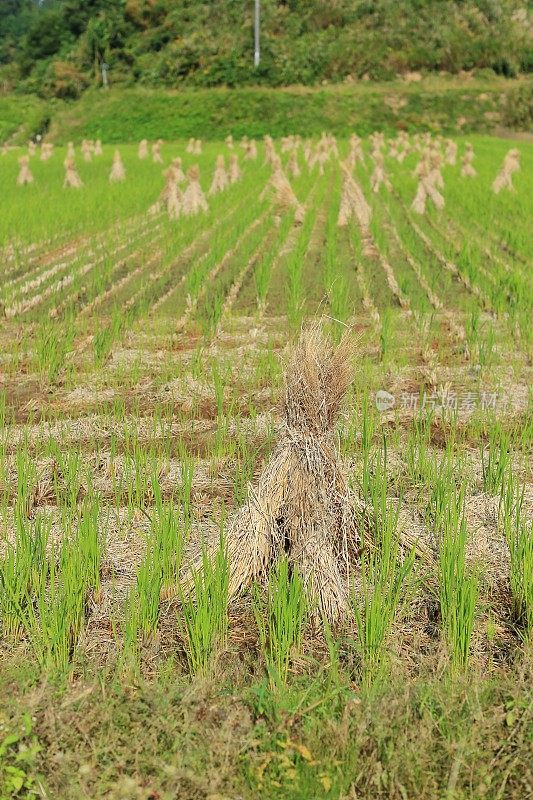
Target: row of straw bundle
(194, 146)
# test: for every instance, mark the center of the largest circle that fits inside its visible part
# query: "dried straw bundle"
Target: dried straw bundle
(353, 201)
(25, 176)
(220, 177)
(504, 179)
(143, 149)
(467, 170)
(190, 146)
(156, 152)
(234, 172)
(293, 167)
(429, 175)
(47, 151)
(283, 192)
(86, 150)
(171, 197)
(178, 170)
(198, 147)
(72, 179)
(193, 197)
(229, 142)
(118, 173)
(174, 197)
(98, 150)
(451, 152)
(356, 152)
(378, 175)
(270, 151)
(250, 151)
(302, 506)
(71, 153)
(32, 147)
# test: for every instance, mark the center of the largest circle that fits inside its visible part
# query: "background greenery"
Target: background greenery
(55, 47)
(128, 114)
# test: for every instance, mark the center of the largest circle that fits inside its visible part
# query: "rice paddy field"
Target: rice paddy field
(141, 371)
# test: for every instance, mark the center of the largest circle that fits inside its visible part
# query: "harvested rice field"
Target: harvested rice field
(266, 488)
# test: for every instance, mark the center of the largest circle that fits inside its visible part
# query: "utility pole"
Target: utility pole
(257, 53)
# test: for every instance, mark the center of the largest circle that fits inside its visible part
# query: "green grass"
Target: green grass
(130, 114)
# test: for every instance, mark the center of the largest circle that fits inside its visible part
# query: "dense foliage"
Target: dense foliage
(56, 47)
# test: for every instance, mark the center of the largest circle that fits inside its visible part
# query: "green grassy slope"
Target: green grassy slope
(434, 104)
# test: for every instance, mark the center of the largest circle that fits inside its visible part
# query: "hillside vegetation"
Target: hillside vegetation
(435, 104)
(56, 47)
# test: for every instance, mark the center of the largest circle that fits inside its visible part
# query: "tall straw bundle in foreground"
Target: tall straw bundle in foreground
(118, 173)
(302, 506)
(25, 175)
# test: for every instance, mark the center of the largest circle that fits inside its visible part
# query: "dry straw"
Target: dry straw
(143, 149)
(378, 176)
(353, 201)
(178, 170)
(220, 177)
(293, 168)
(504, 179)
(25, 175)
(250, 148)
(193, 197)
(284, 195)
(234, 172)
(171, 197)
(156, 152)
(302, 507)
(47, 151)
(72, 179)
(467, 170)
(86, 150)
(118, 173)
